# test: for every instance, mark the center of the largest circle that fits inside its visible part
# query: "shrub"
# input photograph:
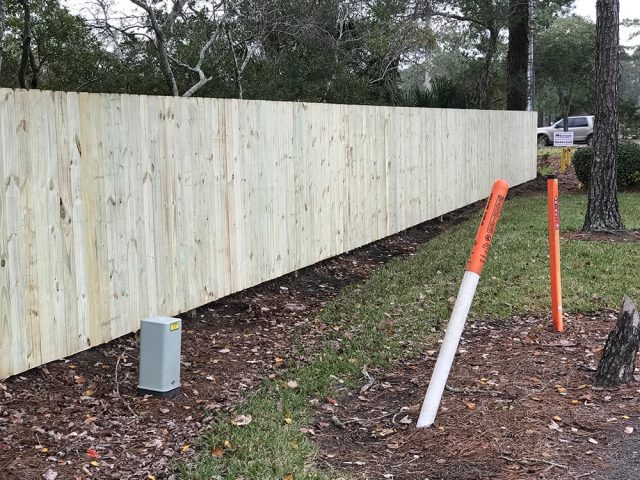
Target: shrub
(443, 93)
(628, 164)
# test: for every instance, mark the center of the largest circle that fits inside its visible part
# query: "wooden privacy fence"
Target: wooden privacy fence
(116, 207)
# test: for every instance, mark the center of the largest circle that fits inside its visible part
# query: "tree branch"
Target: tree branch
(461, 18)
(161, 46)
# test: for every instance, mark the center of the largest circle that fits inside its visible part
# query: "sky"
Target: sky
(628, 9)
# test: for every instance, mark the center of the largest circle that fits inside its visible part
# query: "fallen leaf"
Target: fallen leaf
(557, 418)
(88, 392)
(217, 452)
(44, 449)
(288, 421)
(185, 447)
(384, 432)
(554, 426)
(227, 444)
(95, 463)
(241, 420)
(91, 453)
(151, 477)
(470, 405)
(288, 476)
(50, 474)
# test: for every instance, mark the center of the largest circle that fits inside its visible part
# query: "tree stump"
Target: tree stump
(619, 357)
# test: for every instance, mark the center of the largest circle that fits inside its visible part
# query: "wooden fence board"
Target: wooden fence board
(117, 207)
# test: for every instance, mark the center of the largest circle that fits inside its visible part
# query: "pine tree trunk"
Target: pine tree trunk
(3, 14)
(603, 212)
(518, 55)
(619, 357)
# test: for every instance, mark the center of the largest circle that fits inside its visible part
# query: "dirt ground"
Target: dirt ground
(81, 418)
(521, 406)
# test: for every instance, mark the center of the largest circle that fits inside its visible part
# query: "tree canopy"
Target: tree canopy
(342, 51)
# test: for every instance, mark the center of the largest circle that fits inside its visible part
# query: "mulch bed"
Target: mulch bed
(623, 236)
(522, 406)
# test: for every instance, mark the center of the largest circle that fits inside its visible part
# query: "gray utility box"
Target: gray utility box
(160, 339)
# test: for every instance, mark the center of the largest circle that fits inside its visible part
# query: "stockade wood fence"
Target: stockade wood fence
(117, 207)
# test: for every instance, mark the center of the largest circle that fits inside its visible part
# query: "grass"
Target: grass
(415, 295)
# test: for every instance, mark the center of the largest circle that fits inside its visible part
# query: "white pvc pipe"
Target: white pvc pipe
(448, 349)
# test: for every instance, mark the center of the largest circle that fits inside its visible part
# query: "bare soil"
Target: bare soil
(623, 236)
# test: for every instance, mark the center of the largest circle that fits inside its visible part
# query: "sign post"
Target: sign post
(564, 140)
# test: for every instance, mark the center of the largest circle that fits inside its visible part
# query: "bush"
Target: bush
(443, 93)
(628, 164)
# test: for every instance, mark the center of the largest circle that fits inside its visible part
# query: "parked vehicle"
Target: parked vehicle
(582, 128)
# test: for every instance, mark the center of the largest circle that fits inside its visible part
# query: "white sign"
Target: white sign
(563, 139)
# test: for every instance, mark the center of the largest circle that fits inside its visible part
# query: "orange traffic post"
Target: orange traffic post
(467, 290)
(554, 252)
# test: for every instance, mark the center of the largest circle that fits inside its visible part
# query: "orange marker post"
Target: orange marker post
(467, 290)
(554, 252)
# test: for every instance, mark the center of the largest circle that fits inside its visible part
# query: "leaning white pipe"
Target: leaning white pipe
(448, 349)
(478, 257)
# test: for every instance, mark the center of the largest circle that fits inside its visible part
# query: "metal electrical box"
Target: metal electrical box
(160, 339)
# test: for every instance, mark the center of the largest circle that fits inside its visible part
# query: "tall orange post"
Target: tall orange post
(479, 254)
(554, 252)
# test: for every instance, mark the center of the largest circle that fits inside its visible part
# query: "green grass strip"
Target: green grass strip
(414, 295)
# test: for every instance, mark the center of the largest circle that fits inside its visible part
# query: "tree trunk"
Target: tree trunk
(619, 357)
(26, 44)
(485, 79)
(163, 59)
(518, 55)
(565, 105)
(3, 15)
(603, 212)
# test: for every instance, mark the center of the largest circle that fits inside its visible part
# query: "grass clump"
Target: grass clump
(414, 296)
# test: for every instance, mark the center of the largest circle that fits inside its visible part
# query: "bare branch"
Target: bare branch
(160, 41)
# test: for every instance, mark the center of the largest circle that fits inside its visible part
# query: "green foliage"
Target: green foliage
(443, 93)
(68, 54)
(565, 56)
(628, 165)
(629, 118)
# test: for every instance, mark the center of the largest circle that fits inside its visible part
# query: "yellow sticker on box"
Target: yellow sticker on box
(174, 326)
